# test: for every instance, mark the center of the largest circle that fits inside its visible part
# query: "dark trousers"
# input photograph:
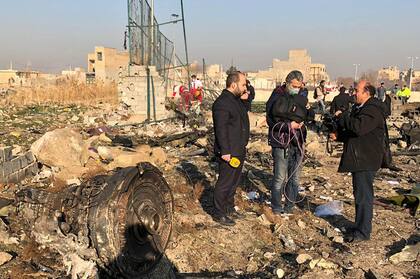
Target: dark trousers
(224, 191)
(363, 197)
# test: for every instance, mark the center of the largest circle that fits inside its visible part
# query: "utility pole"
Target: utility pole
(411, 71)
(355, 71)
(204, 73)
(185, 43)
(152, 26)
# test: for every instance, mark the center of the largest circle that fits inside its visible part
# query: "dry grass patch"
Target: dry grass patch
(66, 93)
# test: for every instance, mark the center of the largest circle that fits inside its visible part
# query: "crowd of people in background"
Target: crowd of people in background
(401, 93)
(195, 93)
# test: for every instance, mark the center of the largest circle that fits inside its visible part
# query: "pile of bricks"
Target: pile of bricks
(15, 169)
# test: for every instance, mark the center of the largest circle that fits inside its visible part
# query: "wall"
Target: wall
(14, 170)
(105, 62)
(132, 88)
(6, 75)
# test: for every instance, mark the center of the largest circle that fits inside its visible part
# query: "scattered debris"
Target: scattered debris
(330, 209)
(271, 244)
(302, 258)
(288, 242)
(252, 195)
(60, 148)
(280, 273)
(322, 263)
(5, 258)
(408, 254)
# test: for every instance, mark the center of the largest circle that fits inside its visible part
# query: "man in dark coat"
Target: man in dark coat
(251, 95)
(231, 129)
(287, 155)
(341, 102)
(381, 92)
(362, 131)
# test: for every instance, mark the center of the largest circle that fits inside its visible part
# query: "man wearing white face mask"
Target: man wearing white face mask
(286, 111)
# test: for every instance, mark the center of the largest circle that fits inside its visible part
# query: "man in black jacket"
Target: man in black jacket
(231, 129)
(287, 154)
(362, 131)
(251, 95)
(341, 102)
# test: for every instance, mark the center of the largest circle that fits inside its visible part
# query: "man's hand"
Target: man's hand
(338, 112)
(245, 96)
(294, 125)
(333, 136)
(226, 157)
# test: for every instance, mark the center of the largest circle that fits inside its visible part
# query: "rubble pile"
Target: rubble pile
(73, 145)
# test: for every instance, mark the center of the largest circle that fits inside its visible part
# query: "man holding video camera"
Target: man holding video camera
(362, 131)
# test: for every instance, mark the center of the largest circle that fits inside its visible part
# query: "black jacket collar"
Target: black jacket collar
(230, 94)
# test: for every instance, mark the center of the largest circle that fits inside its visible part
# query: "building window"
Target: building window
(99, 56)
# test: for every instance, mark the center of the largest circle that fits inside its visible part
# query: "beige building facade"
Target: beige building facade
(105, 63)
(8, 77)
(12, 77)
(390, 73)
(299, 59)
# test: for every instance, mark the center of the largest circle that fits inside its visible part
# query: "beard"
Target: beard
(238, 92)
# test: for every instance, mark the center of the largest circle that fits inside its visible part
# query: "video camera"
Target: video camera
(329, 126)
(329, 121)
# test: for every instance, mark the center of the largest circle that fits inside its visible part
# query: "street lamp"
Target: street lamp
(411, 69)
(355, 71)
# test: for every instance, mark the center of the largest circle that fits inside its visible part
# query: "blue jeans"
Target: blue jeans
(286, 177)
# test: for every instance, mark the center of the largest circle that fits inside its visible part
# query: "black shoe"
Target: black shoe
(394, 168)
(224, 220)
(235, 215)
(279, 211)
(354, 236)
(290, 210)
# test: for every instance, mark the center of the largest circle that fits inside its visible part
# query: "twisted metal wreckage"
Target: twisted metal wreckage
(121, 221)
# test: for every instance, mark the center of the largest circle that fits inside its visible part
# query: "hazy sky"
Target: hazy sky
(51, 35)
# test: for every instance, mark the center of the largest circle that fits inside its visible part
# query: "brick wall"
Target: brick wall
(15, 169)
(133, 91)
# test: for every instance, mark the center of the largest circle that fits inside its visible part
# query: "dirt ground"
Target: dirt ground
(260, 246)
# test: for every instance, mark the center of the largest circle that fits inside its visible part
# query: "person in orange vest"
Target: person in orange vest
(197, 89)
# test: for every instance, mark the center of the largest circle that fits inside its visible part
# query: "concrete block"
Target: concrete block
(5, 154)
(7, 168)
(32, 169)
(15, 164)
(2, 177)
(28, 171)
(23, 161)
(30, 157)
(13, 178)
(21, 175)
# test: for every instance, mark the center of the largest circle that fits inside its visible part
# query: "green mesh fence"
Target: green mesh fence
(147, 45)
